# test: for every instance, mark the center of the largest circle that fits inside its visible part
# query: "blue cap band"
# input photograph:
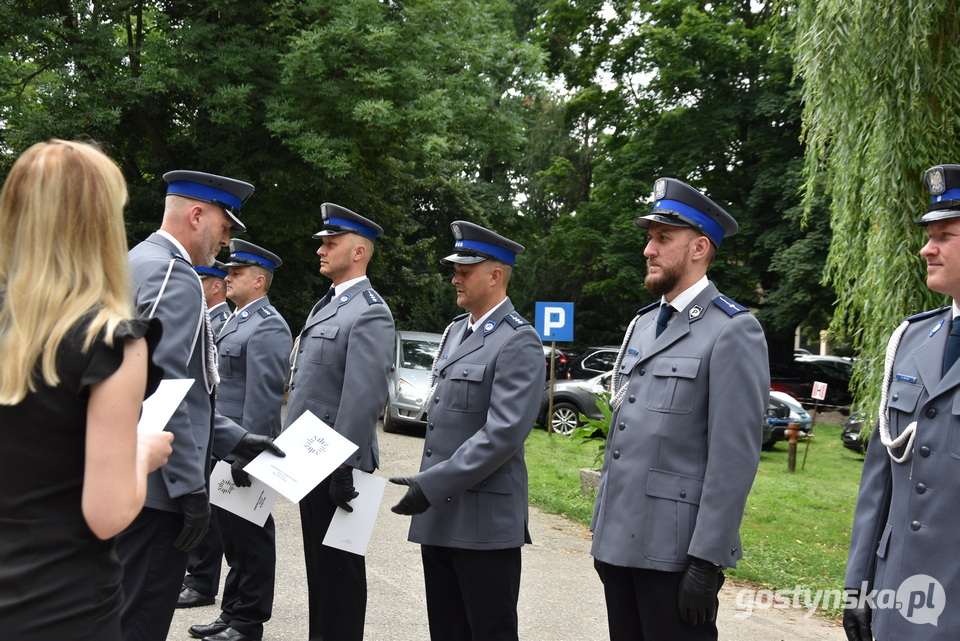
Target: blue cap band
(203, 192)
(360, 228)
(500, 253)
(950, 194)
(710, 227)
(210, 271)
(260, 260)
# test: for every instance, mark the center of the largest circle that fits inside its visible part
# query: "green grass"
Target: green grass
(796, 530)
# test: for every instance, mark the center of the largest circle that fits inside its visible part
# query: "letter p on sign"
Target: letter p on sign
(555, 321)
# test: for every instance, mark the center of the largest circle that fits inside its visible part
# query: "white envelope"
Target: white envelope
(351, 531)
(253, 503)
(313, 450)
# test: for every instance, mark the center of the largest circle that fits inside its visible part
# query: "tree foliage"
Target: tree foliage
(881, 94)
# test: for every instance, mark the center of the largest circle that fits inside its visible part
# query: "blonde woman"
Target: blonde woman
(75, 372)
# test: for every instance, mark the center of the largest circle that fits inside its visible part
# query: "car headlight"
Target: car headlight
(406, 388)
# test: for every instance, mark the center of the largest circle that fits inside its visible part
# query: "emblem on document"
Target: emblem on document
(225, 486)
(316, 445)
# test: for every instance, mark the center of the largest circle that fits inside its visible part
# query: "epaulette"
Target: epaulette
(644, 310)
(515, 320)
(727, 305)
(922, 315)
(372, 297)
(266, 312)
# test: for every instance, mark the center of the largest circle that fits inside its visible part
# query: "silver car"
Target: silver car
(409, 376)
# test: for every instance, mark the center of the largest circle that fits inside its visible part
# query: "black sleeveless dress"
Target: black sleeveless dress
(57, 580)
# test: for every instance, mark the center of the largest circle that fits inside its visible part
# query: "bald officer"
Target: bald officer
(908, 510)
(690, 389)
(339, 374)
(253, 347)
(469, 500)
(200, 212)
(214, 293)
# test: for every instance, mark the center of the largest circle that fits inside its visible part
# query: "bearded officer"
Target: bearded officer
(690, 387)
(908, 510)
(339, 373)
(469, 500)
(253, 347)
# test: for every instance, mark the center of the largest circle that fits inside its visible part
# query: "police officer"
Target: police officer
(200, 212)
(215, 293)
(908, 510)
(339, 373)
(690, 386)
(469, 500)
(253, 347)
(202, 582)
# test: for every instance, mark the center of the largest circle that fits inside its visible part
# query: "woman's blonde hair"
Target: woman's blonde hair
(63, 254)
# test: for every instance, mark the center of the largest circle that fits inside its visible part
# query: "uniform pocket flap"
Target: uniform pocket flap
(325, 331)
(679, 366)
(903, 396)
(231, 349)
(884, 541)
(467, 372)
(677, 487)
(498, 483)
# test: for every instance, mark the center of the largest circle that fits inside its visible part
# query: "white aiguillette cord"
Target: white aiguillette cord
(909, 434)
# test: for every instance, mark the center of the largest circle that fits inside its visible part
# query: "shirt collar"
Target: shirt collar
(176, 243)
(684, 298)
(347, 284)
(483, 319)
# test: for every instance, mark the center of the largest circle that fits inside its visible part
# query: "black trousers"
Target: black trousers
(642, 606)
(251, 553)
(204, 563)
(472, 595)
(336, 580)
(152, 574)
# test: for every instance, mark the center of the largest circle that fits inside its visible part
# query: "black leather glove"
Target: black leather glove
(252, 444)
(414, 501)
(196, 519)
(240, 478)
(856, 620)
(341, 488)
(699, 587)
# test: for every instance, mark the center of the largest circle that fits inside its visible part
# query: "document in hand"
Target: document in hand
(351, 531)
(252, 503)
(313, 450)
(161, 405)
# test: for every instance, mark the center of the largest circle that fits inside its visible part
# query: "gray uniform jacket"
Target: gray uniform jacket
(253, 347)
(908, 514)
(488, 392)
(181, 353)
(683, 448)
(219, 314)
(340, 369)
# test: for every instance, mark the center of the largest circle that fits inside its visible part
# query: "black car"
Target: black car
(560, 363)
(797, 379)
(593, 361)
(851, 433)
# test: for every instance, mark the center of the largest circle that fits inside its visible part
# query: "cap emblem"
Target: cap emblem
(937, 184)
(659, 189)
(457, 233)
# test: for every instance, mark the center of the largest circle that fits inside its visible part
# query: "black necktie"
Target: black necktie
(952, 351)
(466, 335)
(326, 299)
(665, 313)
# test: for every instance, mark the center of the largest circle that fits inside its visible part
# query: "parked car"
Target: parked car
(783, 409)
(797, 379)
(571, 399)
(409, 375)
(592, 362)
(560, 365)
(851, 433)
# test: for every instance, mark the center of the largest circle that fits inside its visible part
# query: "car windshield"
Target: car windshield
(417, 354)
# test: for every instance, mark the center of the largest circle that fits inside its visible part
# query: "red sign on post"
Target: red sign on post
(819, 391)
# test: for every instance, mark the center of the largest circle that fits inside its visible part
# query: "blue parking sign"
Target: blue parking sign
(555, 321)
